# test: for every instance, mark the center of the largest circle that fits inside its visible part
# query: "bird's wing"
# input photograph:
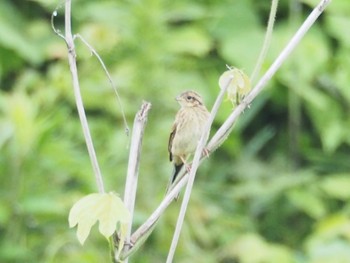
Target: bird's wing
(170, 144)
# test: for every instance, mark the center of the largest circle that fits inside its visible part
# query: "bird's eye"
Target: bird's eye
(189, 97)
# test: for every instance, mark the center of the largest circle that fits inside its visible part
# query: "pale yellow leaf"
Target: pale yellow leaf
(83, 209)
(112, 210)
(239, 86)
(84, 227)
(106, 208)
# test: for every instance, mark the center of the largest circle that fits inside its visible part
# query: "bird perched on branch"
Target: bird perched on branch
(187, 130)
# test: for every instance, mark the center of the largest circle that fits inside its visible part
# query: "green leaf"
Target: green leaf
(333, 226)
(307, 201)
(309, 58)
(12, 35)
(178, 41)
(108, 209)
(242, 249)
(246, 243)
(238, 49)
(337, 25)
(333, 134)
(337, 186)
(21, 121)
(328, 120)
(340, 75)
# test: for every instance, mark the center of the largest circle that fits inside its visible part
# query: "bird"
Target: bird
(186, 131)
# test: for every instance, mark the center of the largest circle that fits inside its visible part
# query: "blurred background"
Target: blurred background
(277, 190)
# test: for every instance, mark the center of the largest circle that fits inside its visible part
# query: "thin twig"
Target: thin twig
(201, 144)
(53, 15)
(267, 41)
(134, 163)
(93, 51)
(78, 99)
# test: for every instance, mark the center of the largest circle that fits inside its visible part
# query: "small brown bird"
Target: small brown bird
(187, 129)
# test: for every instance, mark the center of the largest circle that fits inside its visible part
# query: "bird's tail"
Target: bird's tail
(176, 172)
(173, 178)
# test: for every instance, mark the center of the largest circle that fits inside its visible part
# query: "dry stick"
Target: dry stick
(197, 155)
(139, 235)
(78, 100)
(134, 164)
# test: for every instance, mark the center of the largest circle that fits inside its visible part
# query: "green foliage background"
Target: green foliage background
(276, 191)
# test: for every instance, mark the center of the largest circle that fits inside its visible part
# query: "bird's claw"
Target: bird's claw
(205, 152)
(188, 168)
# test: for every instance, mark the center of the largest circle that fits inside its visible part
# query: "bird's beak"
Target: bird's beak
(177, 98)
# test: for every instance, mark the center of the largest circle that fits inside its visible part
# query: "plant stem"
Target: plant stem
(267, 40)
(78, 99)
